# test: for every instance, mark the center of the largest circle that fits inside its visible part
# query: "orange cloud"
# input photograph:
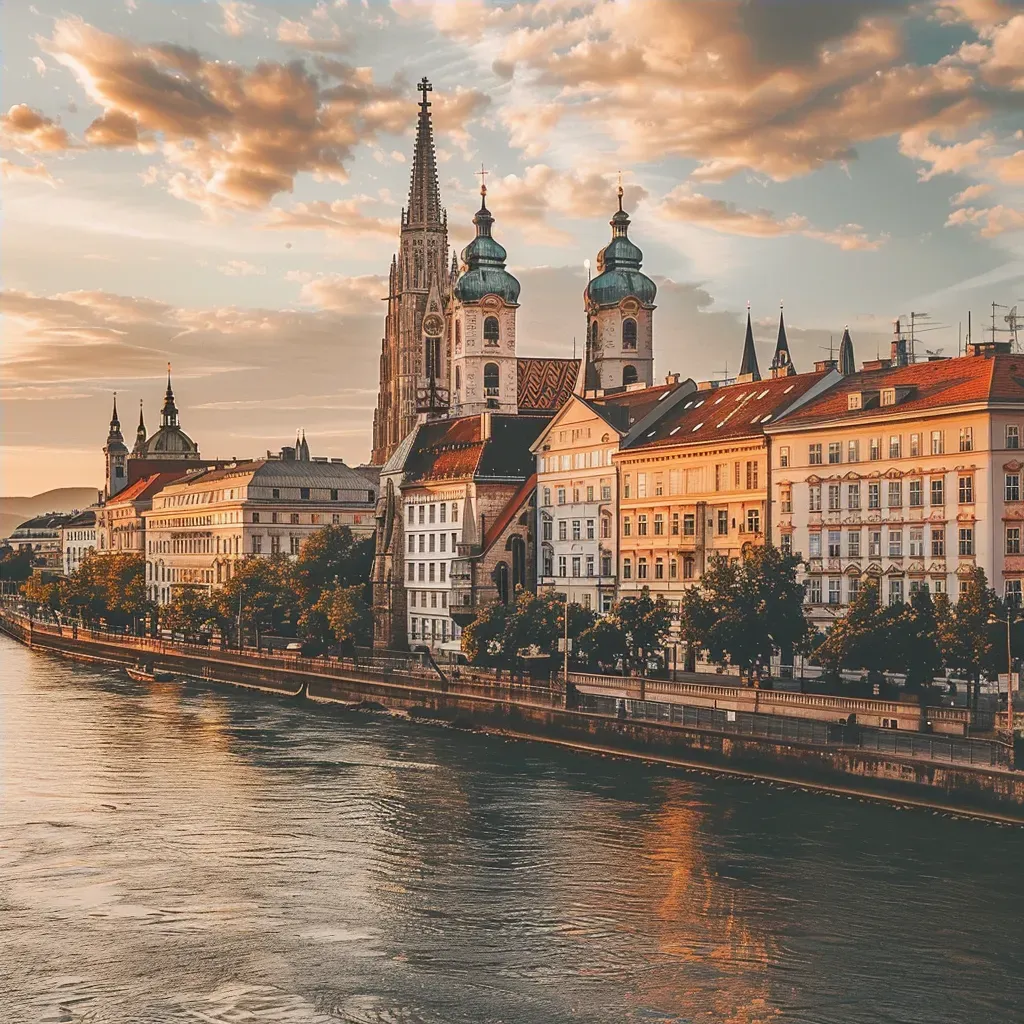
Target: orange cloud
(342, 216)
(26, 130)
(992, 220)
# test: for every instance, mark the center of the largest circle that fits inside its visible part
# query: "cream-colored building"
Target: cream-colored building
(77, 539)
(200, 526)
(909, 474)
(577, 486)
(120, 520)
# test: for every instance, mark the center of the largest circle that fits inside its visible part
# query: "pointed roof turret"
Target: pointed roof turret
(115, 441)
(619, 265)
(140, 433)
(424, 195)
(303, 453)
(748, 364)
(169, 413)
(782, 362)
(847, 363)
(485, 262)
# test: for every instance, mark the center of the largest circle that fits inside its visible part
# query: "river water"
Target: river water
(170, 853)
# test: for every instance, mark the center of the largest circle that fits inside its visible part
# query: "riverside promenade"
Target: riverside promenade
(801, 739)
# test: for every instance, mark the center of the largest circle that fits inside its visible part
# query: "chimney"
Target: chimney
(672, 378)
(824, 365)
(485, 425)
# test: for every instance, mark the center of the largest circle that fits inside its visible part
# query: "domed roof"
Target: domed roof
(170, 440)
(485, 260)
(619, 262)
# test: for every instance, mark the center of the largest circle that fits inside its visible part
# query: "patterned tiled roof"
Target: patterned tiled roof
(728, 413)
(144, 489)
(544, 385)
(932, 385)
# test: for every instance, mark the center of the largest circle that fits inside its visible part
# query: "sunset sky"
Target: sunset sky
(219, 184)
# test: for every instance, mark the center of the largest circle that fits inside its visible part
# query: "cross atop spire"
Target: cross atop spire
(424, 209)
(618, 191)
(483, 172)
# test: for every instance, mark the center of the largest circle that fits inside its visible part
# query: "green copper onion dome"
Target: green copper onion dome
(485, 260)
(619, 262)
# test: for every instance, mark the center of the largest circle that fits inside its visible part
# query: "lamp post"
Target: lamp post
(1009, 620)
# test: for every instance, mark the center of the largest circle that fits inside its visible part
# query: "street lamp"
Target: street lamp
(1009, 620)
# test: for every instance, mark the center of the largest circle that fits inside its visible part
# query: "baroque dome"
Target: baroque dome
(619, 263)
(485, 261)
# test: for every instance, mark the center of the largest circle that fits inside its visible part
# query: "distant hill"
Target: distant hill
(14, 511)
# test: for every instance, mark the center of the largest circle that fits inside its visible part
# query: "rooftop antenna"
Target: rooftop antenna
(959, 335)
(1014, 323)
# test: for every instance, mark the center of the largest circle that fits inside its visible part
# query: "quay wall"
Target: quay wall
(529, 713)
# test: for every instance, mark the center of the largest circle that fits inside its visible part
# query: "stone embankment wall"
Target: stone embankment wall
(541, 715)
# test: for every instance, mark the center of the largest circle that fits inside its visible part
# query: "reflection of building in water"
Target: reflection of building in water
(708, 922)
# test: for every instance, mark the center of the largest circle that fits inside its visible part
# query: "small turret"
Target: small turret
(782, 362)
(169, 413)
(748, 364)
(140, 434)
(115, 452)
(847, 363)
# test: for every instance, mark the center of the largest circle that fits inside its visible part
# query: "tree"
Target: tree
(743, 612)
(41, 594)
(860, 639)
(916, 641)
(644, 622)
(261, 595)
(191, 612)
(108, 586)
(969, 643)
(15, 566)
(341, 616)
(331, 558)
(602, 644)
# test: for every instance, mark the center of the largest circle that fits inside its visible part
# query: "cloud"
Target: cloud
(952, 159)
(342, 294)
(40, 66)
(1009, 169)
(300, 34)
(238, 17)
(342, 216)
(683, 204)
(28, 172)
(27, 130)
(230, 136)
(969, 194)
(241, 268)
(992, 221)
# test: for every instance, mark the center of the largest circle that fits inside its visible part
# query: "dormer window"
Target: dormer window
(888, 396)
(492, 332)
(854, 401)
(629, 333)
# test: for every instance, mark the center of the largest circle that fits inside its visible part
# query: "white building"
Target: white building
(78, 539)
(200, 526)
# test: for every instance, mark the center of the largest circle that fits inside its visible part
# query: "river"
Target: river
(171, 853)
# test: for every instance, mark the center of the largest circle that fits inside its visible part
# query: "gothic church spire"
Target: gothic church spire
(424, 195)
(748, 365)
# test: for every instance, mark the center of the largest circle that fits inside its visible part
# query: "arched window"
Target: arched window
(629, 333)
(492, 380)
(629, 375)
(501, 581)
(491, 331)
(458, 335)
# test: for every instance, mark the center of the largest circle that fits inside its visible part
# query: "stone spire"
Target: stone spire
(140, 433)
(748, 364)
(303, 453)
(847, 363)
(114, 435)
(782, 362)
(424, 195)
(169, 413)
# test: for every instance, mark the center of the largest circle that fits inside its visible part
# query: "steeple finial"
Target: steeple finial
(169, 413)
(619, 192)
(424, 208)
(483, 172)
(113, 419)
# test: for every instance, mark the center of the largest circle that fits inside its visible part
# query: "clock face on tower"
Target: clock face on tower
(433, 325)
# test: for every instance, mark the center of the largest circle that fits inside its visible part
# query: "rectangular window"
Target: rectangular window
(814, 545)
(659, 524)
(606, 565)
(938, 542)
(753, 520)
(835, 590)
(546, 527)
(938, 491)
(966, 537)
(590, 565)
(814, 455)
(874, 543)
(659, 484)
(304, 493)
(853, 496)
(835, 453)
(421, 572)
(412, 570)
(455, 512)
(967, 439)
(917, 542)
(786, 543)
(255, 517)
(1013, 540)
(814, 590)
(786, 498)
(853, 451)
(561, 565)
(689, 524)
(874, 495)
(938, 442)
(443, 513)
(965, 490)
(876, 449)
(1012, 486)
(673, 568)
(814, 498)
(590, 493)
(751, 476)
(1013, 440)
(675, 524)
(563, 529)
(659, 568)
(433, 543)
(641, 568)
(895, 591)
(560, 495)
(423, 514)
(431, 574)
(853, 544)
(895, 446)
(576, 563)
(723, 522)
(834, 497)
(257, 544)
(577, 528)
(895, 543)
(627, 486)
(432, 515)
(627, 526)
(915, 445)
(641, 485)
(606, 492)
(895, 494)
(688, 567)
(916, 493)
(835, 538)
(641, 525)
(852, 589)
(1013, 592)
(783, 462)
(590, 529)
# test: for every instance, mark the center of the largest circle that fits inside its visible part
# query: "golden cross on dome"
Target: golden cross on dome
(483, 172)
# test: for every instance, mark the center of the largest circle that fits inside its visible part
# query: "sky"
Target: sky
(218, 185)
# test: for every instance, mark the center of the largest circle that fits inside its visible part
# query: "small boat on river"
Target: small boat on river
(143, 675)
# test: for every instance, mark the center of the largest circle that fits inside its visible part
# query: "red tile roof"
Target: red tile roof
(509, 512)
(933, 385)
(544, 385)
(628, 407)
(728, 413)
(144, 489)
